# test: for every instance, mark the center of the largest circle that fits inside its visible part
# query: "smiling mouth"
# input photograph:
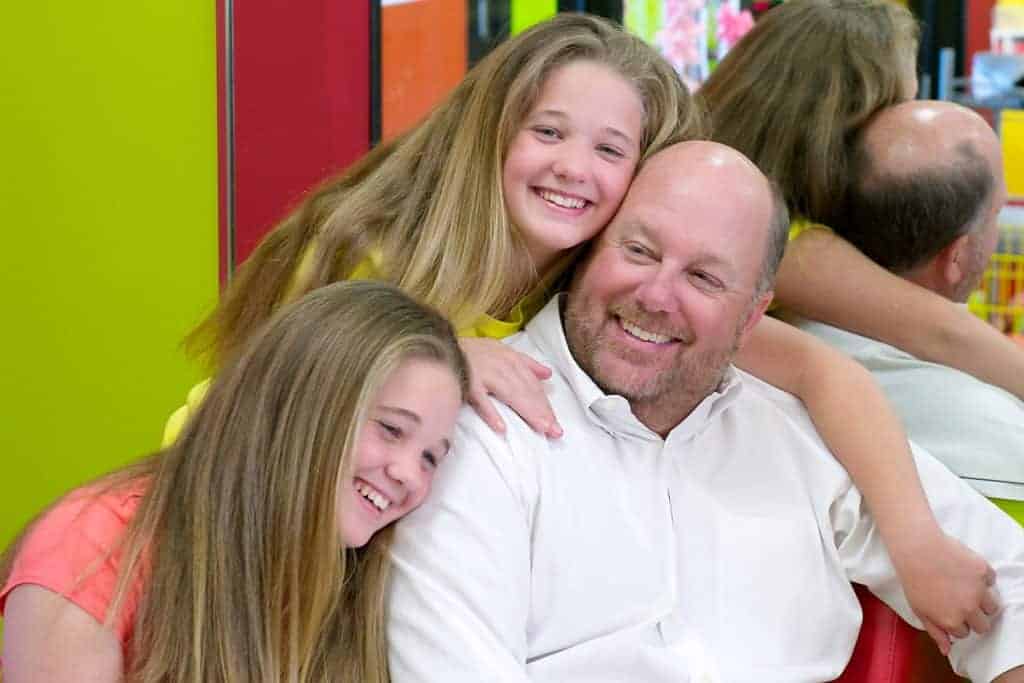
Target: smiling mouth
(634, 330)
(562, 201)
(375, 497)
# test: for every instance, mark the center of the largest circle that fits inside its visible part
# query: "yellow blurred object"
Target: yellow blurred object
(1011, 132)
(1000, 298)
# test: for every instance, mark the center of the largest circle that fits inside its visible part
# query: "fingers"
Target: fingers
(979, 622)
(938, 635)
(539, 370)
(990, 603)
(526, 396)
(484, 407)
(514, 379)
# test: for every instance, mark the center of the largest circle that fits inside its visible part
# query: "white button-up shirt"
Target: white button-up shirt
(974, 428)
(723, 552)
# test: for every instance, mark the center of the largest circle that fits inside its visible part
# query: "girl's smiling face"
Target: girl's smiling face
(406, 435)
(570, 164)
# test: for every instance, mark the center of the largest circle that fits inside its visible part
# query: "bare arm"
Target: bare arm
(823, 277)
(49, 639)
(946, 583)
(1015, 675)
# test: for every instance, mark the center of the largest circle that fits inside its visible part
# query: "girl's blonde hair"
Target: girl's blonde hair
(431, 201)
(792, 93)
(243, 572)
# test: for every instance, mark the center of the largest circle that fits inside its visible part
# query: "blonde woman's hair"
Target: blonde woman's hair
(431, 201)
(243, 572)
(795, 90)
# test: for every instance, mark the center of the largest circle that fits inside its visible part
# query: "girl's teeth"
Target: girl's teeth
(563, 201)
(379, 501)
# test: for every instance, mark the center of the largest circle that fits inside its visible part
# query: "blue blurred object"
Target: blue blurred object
(996, 75)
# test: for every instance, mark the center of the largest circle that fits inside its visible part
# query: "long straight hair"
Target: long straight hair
(794, 91)
(431, 200)
(235, 543)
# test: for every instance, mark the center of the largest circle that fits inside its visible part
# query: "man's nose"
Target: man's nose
(657, 294)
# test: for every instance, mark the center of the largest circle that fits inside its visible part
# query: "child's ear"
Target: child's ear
(953, 262)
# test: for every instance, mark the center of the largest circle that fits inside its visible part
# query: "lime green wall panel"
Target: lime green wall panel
(108, 191)
(526, 13)
(1014, 508)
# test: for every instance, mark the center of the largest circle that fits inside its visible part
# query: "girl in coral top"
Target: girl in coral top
(256, 547)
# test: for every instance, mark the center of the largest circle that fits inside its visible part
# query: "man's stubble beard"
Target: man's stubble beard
(692, 376)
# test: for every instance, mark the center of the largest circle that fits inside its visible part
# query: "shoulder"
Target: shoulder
(775, 421)
(71, 549)
(84, 517)
(485, 464)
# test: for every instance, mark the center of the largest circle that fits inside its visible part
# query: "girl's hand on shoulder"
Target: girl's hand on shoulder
(949, 587)
(513, 378)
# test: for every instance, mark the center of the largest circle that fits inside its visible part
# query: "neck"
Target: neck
(927, 277)
(664, 413)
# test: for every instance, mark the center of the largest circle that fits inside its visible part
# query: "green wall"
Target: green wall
(526, 13)
(108, 191)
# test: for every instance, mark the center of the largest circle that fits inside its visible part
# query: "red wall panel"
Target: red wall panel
(301, 104)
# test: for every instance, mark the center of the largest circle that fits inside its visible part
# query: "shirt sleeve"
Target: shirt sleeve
(967, 516)
(176, 422)
(71, 551)
(460, 594)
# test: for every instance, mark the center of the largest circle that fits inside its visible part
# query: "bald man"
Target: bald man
(928, 187)
(690, 525)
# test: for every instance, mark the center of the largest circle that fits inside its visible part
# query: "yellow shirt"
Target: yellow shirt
(368, 269)
(801, 225)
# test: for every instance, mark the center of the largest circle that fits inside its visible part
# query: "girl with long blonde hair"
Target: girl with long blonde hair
(480, 210)
(256, 547)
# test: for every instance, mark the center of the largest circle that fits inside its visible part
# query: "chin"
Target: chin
(355, 540)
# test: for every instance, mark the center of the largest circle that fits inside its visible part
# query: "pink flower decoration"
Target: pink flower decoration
(733, 25)
(680, 36)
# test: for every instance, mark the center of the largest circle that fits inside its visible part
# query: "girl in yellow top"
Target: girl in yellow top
(478, 211)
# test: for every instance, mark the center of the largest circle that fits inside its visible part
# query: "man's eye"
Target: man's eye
(430, 458)
(637, 250)
(706, 280)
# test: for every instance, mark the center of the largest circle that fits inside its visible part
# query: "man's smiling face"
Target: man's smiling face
(669, 291)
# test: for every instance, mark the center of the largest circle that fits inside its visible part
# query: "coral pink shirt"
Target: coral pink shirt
(69, 551)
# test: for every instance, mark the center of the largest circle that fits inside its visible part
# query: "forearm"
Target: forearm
(824, 278)
(1015, 675)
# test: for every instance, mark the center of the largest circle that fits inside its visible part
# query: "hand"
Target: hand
(514, 379)
(949, 587)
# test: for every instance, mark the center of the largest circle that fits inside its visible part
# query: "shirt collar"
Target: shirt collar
(612, 412)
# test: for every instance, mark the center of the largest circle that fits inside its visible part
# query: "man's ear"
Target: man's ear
(757, 309)
(953, 262)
